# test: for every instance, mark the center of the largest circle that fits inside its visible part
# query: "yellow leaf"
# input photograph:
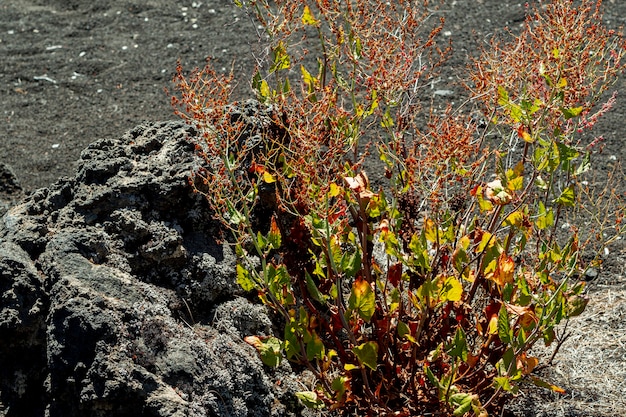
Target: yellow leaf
(504, 270)
(308, 18)
(268, 178)
(431, 230)
(493, 325)
(334, 191)
(514, 219)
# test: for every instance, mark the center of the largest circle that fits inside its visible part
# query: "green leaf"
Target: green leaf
(367, 353)
(503, 382)
(576, 304)
(282, 59)
(312, 288)
(405, 331)
(309, 399)
(315, 348)
(273, 236)
(504, 328)
(543, 384)
(584, 166)
(458, 347)
(567, 197)
(269, 349)
(462, 402)
(452, 290)
(545, 217)
(340, 385)
(362, 299)
(571, 112)
(235, 217)
(244, 279)
(387, 120)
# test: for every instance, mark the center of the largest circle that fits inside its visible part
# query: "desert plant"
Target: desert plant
(426, 294)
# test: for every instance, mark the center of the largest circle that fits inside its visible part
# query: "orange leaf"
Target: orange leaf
(504, 270)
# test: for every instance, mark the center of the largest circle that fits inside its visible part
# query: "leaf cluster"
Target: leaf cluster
(427, 294)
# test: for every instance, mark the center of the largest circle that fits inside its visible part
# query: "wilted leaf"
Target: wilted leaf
(504, 270)
(496, 193)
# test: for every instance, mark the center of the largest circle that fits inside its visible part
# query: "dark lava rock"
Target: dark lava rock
(10, 188)
(117, 300)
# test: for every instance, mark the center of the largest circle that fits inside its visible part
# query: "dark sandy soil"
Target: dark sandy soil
(74, 71)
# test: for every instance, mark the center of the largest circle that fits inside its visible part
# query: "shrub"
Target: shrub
(426, 294)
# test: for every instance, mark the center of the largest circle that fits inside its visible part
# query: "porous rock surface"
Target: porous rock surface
(117, 299)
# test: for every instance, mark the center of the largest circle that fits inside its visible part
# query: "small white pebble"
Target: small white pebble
(135, 46)
(145, 19)
(35, 30)
(447, 33)
(56, 145)
(119, 12)
(613, 158)
(606, 251)
(124, 47)
(99, 90)
(212, 11)
(11, 32)
(170, 45)
(195, 26)
(82, 53)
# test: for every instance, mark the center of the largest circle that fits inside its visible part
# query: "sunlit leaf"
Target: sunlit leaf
(567, 197)
(308, 18)
(273, 236)
(545, 217)
(504, 328)
(282, 59)
(451, 290)
(571, 112)
(334, 190)
(543, 384)
(269, 349)
(463, 403)
(309, 399)
(244, 279)
(362, 299)
(367, 353)
(504, 270)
